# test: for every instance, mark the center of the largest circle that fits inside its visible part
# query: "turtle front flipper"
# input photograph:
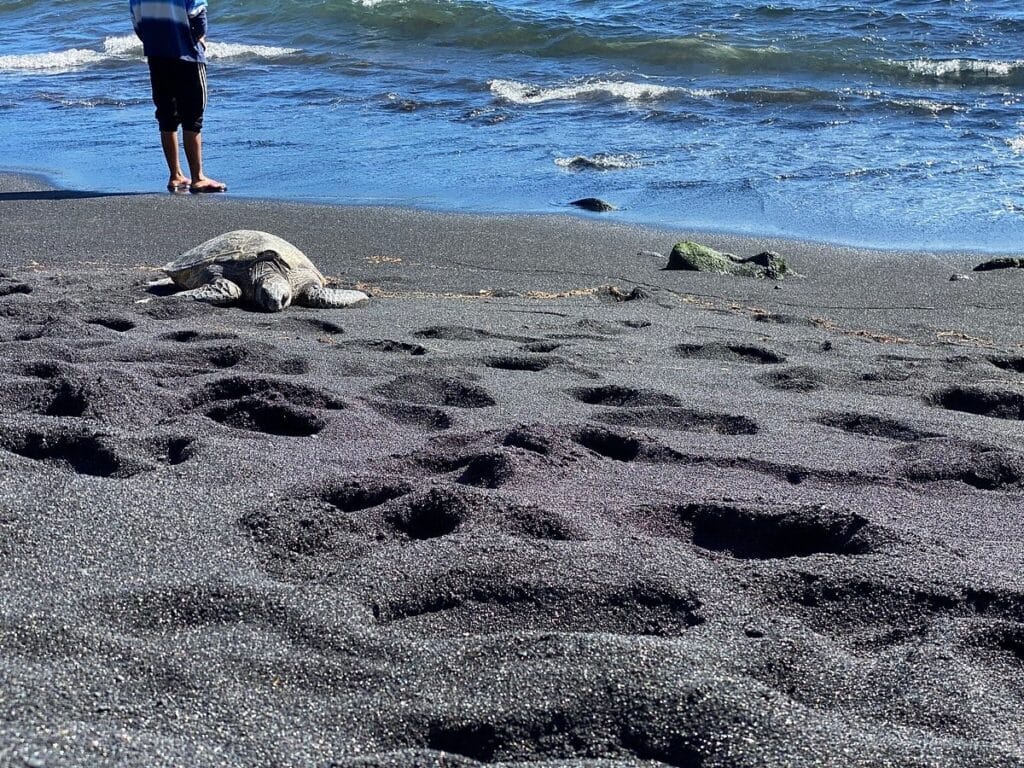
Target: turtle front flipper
(220, 291)
(321, 297)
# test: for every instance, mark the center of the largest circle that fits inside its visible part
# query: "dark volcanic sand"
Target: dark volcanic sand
(498, 516)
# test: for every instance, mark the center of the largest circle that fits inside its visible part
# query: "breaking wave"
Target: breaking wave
(124, 48)
(524, 93)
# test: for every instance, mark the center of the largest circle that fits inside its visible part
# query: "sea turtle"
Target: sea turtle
(257, 268)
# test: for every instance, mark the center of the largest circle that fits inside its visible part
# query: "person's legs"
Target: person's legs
(162, 78)
(193, 141)
(192, 104)
(169, 142)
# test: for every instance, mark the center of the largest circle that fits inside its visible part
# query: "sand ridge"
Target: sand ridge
(502, 515)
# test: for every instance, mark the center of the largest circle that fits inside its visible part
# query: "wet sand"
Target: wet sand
(540, 502)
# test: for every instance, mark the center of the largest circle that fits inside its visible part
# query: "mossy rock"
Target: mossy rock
(688, 255)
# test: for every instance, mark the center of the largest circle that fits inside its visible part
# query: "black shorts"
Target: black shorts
(179, 92)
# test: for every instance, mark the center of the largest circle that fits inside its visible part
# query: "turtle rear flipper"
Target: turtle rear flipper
(321, 297)
(220, 291)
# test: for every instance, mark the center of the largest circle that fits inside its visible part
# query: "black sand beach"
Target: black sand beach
(504, 514)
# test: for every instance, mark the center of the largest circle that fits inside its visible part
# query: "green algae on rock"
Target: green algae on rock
(688, 255)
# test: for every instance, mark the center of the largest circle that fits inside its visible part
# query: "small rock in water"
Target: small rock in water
(593, 204)
(957, 277)
(692, 256)
(1006, 262)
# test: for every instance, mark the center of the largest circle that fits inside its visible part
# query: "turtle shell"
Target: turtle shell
(238, 247)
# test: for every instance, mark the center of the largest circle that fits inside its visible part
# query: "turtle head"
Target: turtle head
(271, 290)
(273, 293)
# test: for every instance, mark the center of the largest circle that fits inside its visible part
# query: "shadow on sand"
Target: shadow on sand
(64, 194)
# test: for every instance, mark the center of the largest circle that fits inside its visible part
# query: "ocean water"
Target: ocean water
(896, 123)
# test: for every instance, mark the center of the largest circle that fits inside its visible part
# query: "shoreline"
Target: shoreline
(539, 502)
(42, 180)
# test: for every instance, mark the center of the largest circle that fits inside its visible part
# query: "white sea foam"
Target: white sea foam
(598, 162)
(88, 103)
(1016, 144)
(524, 93)
(926, 105)
(242, 50)
(957, 69)
(50, 63)
(124, 47)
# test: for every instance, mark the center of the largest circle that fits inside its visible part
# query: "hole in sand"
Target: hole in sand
(542, 347)
(421, 416)
(356, 495)
(622, 397)
(755, 354)
(238, 387)
(452, 333)
(651, 744)
(436, 514)
(271, 418)
(518, 363)
(44, 369)
(228, 357)
(528, 440)
(434, 390)
(388, 346)
(799, 378)
(874, 426)
(751, 533)
(119, 324)
(477, 741)
(190, 336)
(84, 454)
(995, 403)
(609, 444)
(9, 289)
(680, 419)
(1014, 364)
(743, 353)
(323, 326)
(179, 450)
(489, 470)
(495, 601)
(68, 400)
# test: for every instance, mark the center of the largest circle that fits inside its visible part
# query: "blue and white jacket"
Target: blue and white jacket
(170, 28)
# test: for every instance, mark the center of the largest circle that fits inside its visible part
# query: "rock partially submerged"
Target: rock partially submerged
(695, 257)
(595, 204)
(1005, 262)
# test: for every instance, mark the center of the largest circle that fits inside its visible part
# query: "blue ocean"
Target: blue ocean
(895, 123)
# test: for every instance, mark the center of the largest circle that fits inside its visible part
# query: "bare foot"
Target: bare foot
(206, 184)
(178, 183)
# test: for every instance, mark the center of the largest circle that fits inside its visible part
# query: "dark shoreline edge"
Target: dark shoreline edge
(12, 181)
